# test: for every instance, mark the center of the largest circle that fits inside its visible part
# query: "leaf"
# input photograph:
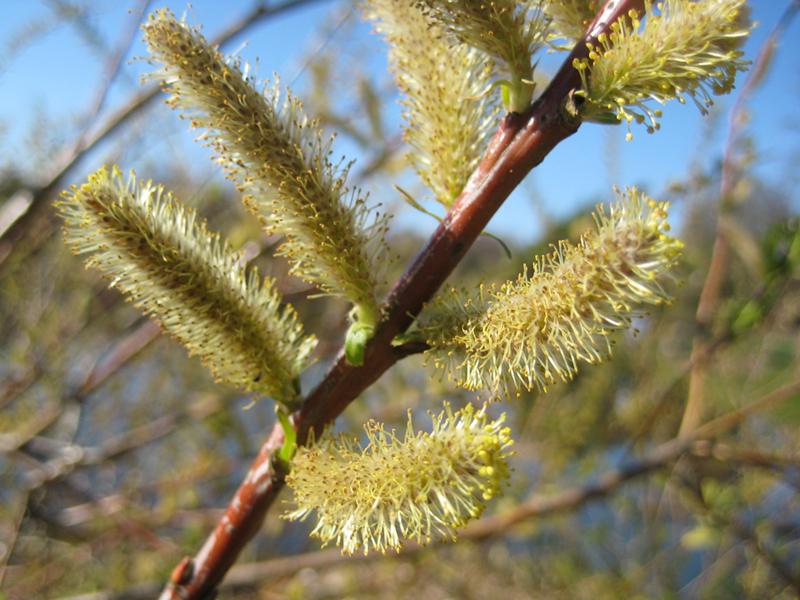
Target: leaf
(414, 204)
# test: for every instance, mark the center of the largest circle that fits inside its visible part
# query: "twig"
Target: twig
(521, 142)
(72, 456)
(10, 442)
(110, 72)
(745, 456)
(720, 256)
(19, 519)
(123, 351)
(18, 383)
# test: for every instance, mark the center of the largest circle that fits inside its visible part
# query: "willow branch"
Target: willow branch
(745, 457)
(123, 351)
(521, 142)
(13, 537)
(73, 456)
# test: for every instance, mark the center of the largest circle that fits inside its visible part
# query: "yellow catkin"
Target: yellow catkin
(162, 258)
(508, 31)
(422, 486)
(683, 49)
(448, 115)
(534, 331)
(280, 159)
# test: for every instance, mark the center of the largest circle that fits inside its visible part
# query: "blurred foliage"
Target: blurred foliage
(105, 486)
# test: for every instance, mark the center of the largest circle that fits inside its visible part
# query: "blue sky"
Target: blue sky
(57, 75)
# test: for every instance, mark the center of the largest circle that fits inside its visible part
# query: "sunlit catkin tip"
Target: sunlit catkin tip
(279, 158)
(508, 31)
(682, 49)
(167, 262)
(421, 487)
(534, 331)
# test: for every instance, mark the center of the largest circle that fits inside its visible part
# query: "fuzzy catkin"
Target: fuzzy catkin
(423, 486)
(280, 159)
(448, 114)
(534, 331)
(683, 49)
(168, 263)
(508, 31)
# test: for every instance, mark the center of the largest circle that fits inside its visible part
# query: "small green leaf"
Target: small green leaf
(747, 317)
(505, 92)
(355, 343)
(411, 201)
(408, 337)
(286, 453)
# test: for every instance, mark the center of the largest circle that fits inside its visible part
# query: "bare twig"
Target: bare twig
(12, 441)
(122, 352)
(745, 456)
(72, 456)
(11, 543)
(720, 256)
(109, 74)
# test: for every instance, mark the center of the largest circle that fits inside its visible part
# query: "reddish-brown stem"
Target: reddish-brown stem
(521, 143)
